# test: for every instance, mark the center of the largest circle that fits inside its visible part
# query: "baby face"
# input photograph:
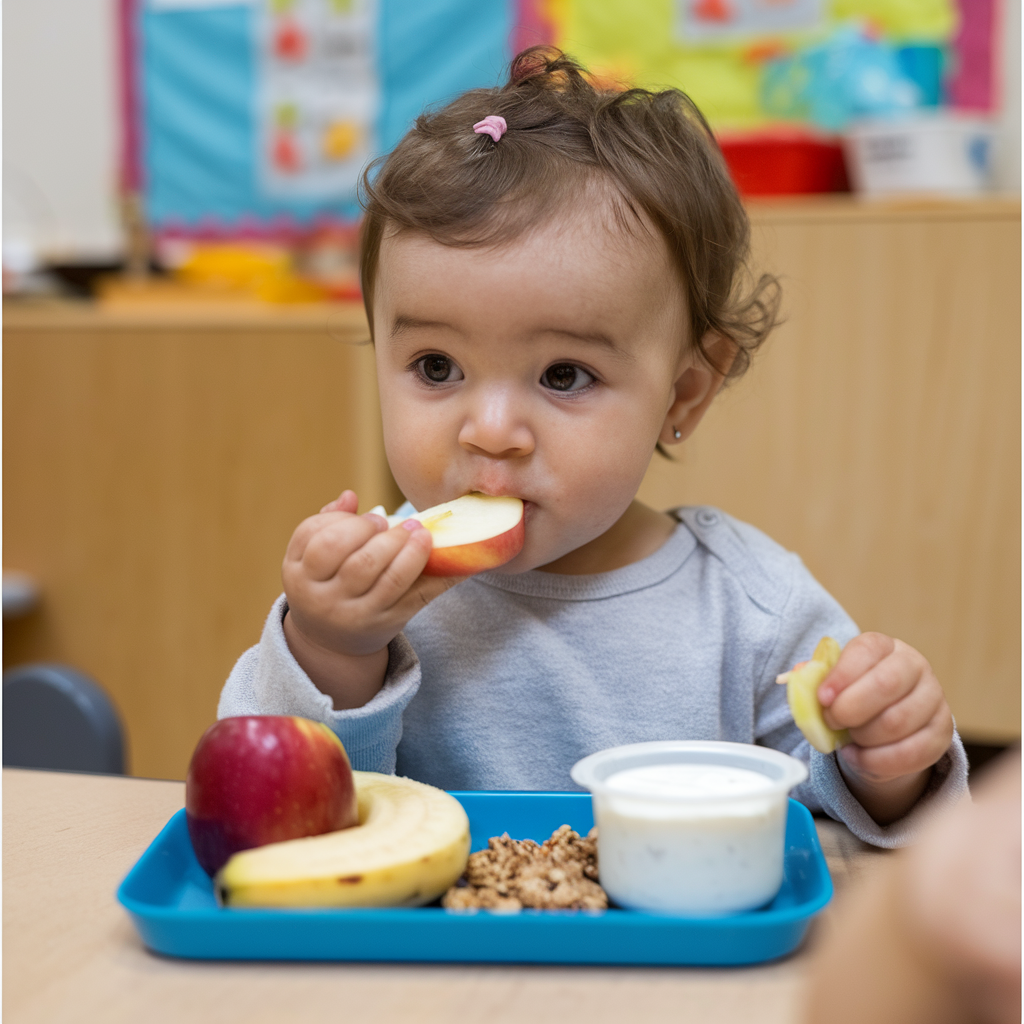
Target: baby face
(544, 369)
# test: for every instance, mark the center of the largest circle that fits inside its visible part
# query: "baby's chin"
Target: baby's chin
(520, 564)
(535, 554)
(531, 558)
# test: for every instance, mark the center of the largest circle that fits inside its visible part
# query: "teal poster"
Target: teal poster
(258, 117)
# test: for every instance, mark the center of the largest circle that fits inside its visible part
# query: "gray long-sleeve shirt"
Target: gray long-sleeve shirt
(505, 681)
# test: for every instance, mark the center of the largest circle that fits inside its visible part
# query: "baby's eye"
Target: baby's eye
(566, 377)
(438, 369)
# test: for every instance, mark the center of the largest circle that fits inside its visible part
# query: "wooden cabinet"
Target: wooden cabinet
(156, 462)
(154, 469)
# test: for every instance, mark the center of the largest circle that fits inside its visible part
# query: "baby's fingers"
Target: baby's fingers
(384, 563)
(882, 685)
(421, 593)
(404, 569)
(913, 753)
(347, 501)
(322, 543)
(903, 718)
(859, 656)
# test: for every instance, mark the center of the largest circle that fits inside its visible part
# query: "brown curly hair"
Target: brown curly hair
(564, 132)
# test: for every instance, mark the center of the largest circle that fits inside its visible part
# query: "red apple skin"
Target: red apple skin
(468, 559)
(263, 779)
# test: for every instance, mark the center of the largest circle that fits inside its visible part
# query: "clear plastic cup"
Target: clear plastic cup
(709, 846)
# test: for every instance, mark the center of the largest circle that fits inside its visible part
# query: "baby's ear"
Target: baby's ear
(701, 374)
(720, 351)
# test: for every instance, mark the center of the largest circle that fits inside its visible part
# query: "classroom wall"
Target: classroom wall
(1006, 170)
(60, 128)
(61, 124)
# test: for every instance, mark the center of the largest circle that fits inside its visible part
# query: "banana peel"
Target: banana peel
(802, 692)
(411, 845)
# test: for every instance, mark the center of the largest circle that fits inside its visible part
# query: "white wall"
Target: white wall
(1006, 172)
(60, 128)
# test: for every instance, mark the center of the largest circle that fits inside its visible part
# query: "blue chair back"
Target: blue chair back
(57, 718)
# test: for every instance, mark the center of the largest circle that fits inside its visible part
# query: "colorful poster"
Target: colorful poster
(714, 50)
(256, 117)
(318, 95)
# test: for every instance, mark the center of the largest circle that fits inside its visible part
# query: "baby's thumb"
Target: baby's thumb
(347, 501)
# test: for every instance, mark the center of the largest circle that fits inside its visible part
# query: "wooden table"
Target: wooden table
(72, 954)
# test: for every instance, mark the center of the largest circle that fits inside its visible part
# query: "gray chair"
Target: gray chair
(57, 718)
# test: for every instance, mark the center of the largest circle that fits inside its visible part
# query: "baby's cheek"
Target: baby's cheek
(418, 475)
(597, 501)
(420, 467)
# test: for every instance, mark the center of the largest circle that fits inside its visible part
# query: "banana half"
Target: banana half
(802, 692)
(410, 846)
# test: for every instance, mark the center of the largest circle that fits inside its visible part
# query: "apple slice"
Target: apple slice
(471, 534)
(802, 692)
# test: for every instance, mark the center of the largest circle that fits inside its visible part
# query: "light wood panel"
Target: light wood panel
(878, 434)
(153, 475)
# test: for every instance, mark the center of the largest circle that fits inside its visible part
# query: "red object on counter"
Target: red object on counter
(784, 164)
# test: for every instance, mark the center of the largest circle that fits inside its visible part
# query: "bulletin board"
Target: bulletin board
(256, 117)
(715, 49)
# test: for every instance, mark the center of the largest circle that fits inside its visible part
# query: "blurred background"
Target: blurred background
(186, 374)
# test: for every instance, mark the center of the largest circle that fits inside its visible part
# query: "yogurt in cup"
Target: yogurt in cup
(690, 827)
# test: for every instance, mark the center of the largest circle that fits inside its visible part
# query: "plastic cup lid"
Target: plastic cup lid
(784, 771)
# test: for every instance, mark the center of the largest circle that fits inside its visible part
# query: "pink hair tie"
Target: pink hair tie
(492, 125)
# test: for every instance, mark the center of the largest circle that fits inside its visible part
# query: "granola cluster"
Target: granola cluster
(560, 873)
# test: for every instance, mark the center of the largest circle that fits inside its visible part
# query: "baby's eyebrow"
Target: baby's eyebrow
(592, 338)
(404, 323)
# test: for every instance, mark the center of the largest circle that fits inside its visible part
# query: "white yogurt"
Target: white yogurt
(688, 780)
(686, 835)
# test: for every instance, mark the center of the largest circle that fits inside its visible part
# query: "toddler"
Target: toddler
(555, 282)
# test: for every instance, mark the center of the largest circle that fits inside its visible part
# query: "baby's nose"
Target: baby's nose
(495, 428)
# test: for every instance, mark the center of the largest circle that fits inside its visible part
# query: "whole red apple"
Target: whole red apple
(263, 779)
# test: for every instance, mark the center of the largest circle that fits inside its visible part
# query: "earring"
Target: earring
(675, 433)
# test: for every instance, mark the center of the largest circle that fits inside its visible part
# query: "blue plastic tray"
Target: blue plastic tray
(171, 901)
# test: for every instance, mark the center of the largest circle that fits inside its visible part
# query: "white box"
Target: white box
(943, 152)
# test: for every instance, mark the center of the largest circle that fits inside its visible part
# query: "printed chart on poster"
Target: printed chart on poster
(318, 95)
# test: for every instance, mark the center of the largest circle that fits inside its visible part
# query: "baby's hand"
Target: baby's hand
(886, 694)
(352, 585)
